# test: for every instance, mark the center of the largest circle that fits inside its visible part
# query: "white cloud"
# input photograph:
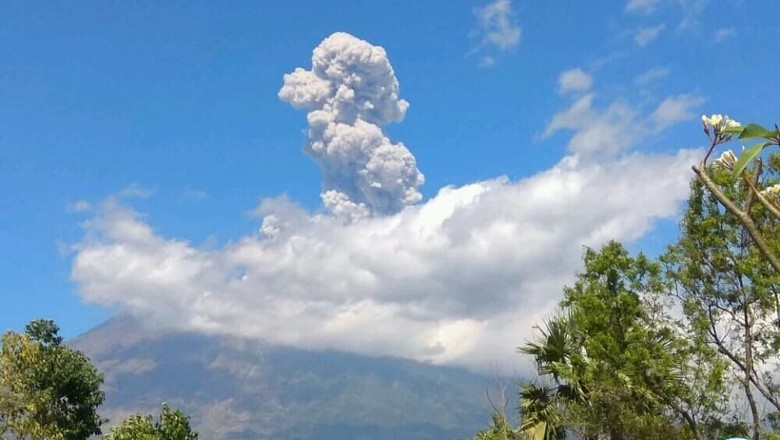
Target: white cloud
(497, 30)
(675, 109)
(596, 131)
(647, 34)
(618, 126)
(79, 206)
(574, 80)
(459, 279)
(644, 6)
(724, 33)
(690, 9)
(136, 191)
(651, 75)
(487, 61)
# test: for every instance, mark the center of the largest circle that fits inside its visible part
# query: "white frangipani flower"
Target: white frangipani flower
(726, 160)
(717, 123)
(715, 119)
(771, 191)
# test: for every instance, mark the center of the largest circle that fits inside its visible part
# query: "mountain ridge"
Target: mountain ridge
(236, 388)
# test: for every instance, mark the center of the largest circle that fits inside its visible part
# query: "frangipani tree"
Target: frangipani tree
(720, 130)
(726, 265)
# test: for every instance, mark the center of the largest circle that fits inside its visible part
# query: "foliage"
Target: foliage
(172, 425)
(750, 131)
(727, 287)
(615, 363)
(720, 130)
(500, 430)
(48, 390)
(541, 408)
(542, 405)
(51, 392)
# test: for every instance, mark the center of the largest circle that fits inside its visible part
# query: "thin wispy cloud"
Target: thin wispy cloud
(496, 32)
(458, 279)
(647, 34)
(644, 6)
(689, 10)
(136, 191)
(606, 131)
(616, 127)
(574, 80)
(78, 206)
(675, 109)
(724, 33)
(651, 75)
(193, 195)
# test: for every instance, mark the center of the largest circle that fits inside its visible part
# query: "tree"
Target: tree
(542, 406)
(617, 366)
(541, 411)
(172, 425)
(498, 398)
(500, 430)
(48, 390)
(721, 129)
(726, 285)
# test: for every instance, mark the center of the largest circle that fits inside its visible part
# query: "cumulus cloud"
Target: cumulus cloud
(496, 31)
(574, 80)
(459, 279)
(350, 92)
(645, 35)
(618, 126)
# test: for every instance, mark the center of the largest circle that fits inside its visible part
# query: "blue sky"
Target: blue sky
(167, 114)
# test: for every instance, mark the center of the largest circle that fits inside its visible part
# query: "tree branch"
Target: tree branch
(743, 216)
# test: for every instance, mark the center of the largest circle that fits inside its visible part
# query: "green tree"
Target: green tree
(501, 429)
(48, 390)
(541, 409)
(726, 285)
(617, 366)
(542, 406)
(172, 425)
(720, 130)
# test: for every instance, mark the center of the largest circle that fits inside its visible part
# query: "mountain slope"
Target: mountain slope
(242, 389)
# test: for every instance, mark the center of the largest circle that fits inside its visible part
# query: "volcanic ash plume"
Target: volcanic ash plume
(350, 92)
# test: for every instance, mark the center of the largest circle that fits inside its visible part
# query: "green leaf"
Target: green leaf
(747, 156)
(752, 131)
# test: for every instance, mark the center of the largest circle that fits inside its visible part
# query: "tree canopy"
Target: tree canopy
(171, 425)
(49, 391)
(611, 362)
